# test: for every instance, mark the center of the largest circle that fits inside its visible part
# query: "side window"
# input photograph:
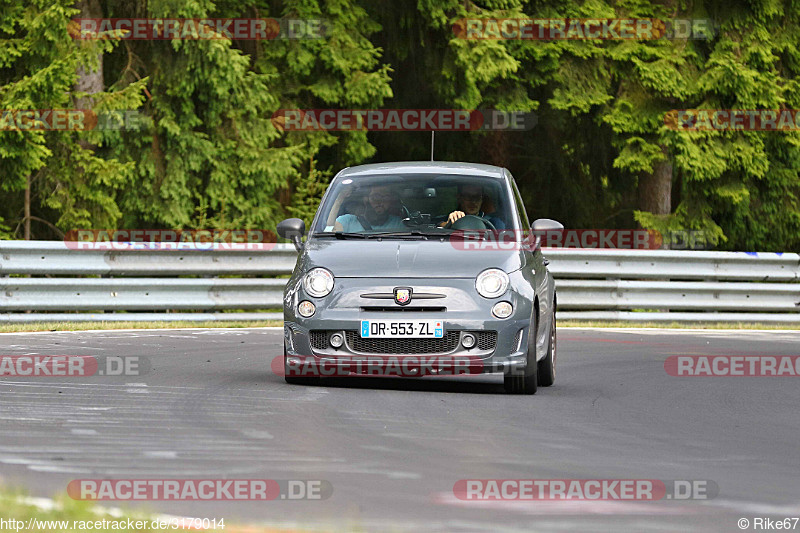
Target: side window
(523, 215)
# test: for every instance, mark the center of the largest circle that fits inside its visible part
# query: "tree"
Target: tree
(39, 67)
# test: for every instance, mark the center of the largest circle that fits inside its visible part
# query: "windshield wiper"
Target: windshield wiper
(415, 233)
(409, 233)
(341, 235)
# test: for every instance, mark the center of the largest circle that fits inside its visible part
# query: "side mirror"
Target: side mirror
(547, 224)
(293, 229)
(541, 226)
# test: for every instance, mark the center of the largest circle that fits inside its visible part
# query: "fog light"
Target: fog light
(337, 340)
(502, 309)
(468, 340)
(306, 309)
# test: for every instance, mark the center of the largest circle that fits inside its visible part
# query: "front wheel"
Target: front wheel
(524, 381)
(547, 366)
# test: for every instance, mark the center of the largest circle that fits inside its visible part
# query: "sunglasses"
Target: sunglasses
(471, 197)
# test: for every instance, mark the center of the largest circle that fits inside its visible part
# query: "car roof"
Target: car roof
(423, 167)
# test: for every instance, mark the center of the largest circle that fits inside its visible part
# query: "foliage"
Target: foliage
(208, 153)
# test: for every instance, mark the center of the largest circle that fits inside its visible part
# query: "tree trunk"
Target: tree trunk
(655, 189)
(495, 149)
(88, 81)
(27, 224)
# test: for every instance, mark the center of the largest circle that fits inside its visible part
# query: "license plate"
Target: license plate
(408, 329)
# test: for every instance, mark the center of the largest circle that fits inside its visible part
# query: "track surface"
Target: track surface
(393, 448)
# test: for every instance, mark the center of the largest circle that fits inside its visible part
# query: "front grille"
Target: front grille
(487, 340)
(319, 339)
(446, 344)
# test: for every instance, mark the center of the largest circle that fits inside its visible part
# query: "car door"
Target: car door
(535, 270)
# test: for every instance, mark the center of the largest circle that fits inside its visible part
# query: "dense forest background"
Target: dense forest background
(208, 155)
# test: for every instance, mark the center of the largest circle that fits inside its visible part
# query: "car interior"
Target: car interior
(420, 202)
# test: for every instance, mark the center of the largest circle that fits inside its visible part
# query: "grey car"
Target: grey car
(421, 259)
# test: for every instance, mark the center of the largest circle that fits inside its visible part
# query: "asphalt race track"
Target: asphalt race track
(393, 448)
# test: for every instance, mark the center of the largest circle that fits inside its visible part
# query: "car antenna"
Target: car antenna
(432, 134)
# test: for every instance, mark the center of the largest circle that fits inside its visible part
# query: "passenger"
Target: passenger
(377, 214)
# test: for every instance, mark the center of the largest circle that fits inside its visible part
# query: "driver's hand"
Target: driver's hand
(455, 215)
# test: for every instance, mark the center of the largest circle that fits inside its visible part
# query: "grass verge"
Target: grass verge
(83, 326)
(674, 325)
(67, 515)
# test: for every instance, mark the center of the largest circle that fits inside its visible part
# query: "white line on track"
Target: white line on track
(683, 330)
(610, 507)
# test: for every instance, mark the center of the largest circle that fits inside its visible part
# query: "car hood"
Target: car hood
(404, 258)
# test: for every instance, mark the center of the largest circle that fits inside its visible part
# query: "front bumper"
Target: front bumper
(461, 309)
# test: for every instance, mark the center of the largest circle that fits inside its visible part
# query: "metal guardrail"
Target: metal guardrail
(672, 264)
(55, 258)
(86, 294)
(593, 284)
(676, 286)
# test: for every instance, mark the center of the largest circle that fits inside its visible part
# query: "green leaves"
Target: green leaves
(72, 185)
(208, 154)
(638, 155)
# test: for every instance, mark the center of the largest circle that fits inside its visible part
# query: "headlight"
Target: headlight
(491, 283)
(318, 282)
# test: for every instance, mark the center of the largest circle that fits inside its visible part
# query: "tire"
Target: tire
(296, 380)
(547, 366)
(524, 382)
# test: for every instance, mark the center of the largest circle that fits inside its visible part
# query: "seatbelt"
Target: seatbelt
(364, 224)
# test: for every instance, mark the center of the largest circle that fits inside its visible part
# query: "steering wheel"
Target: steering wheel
(470, 222)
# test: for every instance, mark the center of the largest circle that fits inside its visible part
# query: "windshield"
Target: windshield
(413, 204)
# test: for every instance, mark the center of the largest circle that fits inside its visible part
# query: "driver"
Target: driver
(470, 202)
(377, 216)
